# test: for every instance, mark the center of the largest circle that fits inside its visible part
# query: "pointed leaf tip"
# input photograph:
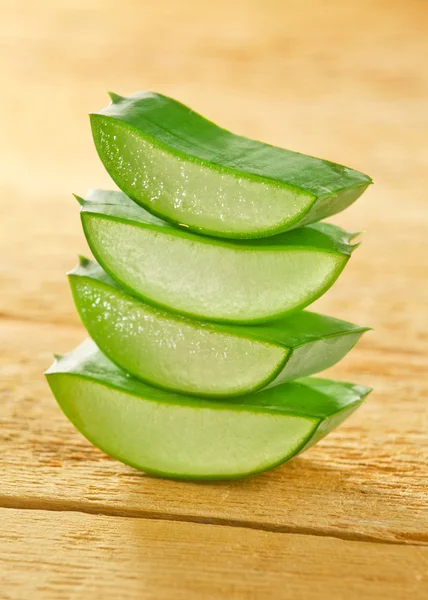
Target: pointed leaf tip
(355, 234)
(115, 98)
(83, 261)
(355, 246)
(82, 265)
(79, 199)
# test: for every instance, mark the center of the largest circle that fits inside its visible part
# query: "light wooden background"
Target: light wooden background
(344, 80)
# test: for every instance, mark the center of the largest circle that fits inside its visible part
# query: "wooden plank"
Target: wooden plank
(367, 480)
(345, 82)
(55, 556)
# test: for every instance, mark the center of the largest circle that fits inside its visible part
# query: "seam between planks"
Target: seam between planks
(98, 509)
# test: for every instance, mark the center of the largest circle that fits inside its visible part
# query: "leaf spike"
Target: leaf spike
(115, 98)
(83, 261)
(355, 234)
(79, 199)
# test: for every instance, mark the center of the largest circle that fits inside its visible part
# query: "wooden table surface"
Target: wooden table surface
(341, 79)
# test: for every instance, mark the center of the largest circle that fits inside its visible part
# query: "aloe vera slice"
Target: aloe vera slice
(210, 278)
(184, 168)
(192, 357)
(185, 437)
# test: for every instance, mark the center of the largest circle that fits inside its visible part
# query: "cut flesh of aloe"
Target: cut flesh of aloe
(185, 437)
(210, 278)
(184, 168)
(192, 357)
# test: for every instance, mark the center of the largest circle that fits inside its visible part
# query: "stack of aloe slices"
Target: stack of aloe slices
(201, 352)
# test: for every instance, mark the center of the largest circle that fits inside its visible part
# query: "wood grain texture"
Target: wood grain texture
(366, 480)
(70, 555)
(341, 80)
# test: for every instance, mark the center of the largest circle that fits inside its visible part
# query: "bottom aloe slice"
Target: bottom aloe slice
(208, 359)
(207, 278)
(185, 437)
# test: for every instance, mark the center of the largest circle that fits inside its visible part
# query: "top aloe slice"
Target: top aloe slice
(185, 437)
(234, 280)
(184, 168)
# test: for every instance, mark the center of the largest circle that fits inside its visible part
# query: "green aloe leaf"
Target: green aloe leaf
(184, 168)
(205, 359)
(185, 437)
(234, 280)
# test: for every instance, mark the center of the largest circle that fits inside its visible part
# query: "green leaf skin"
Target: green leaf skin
(183, 437)
(193, 357)
(187, 170)
(203, 277)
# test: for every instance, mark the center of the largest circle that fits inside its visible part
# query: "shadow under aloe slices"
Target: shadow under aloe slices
(195, 357)
(184, 168)
(209, 278)
(185, 437)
